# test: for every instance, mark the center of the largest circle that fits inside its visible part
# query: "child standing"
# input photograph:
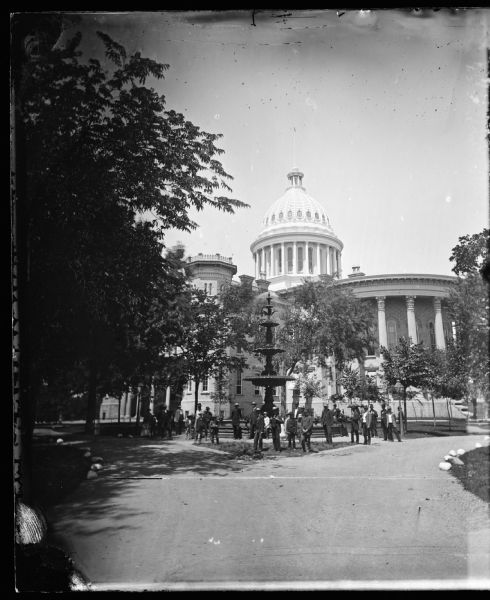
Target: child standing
(214, 430)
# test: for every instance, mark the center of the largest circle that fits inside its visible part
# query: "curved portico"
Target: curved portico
(297, 240)
(408, 305)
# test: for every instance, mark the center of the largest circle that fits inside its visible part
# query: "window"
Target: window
(317, 217)
(273, 218)
(290, 214)
(290, 260)
(300, 259)
(257, 390)
(281, 216)
(279, 260)
(210, 288)
(323, 218)
(238, 382)
(391, 333)
(299, 214)
(205, 384)
(206, 288)
(308, 214)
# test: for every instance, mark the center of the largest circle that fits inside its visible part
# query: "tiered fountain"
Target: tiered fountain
(269, 378)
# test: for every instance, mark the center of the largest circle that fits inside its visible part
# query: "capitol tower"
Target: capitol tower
(296, 241)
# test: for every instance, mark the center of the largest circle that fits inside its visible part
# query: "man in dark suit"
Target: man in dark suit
(327, 420)
(354, 422)
(259, 429)
(236, 415)
(306, 429)
(384, 422)
(252, 421)
(366, 425)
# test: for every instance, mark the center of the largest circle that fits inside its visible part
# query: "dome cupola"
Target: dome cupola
(296, 240)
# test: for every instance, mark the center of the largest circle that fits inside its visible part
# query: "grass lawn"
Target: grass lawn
(474, 475)
(245, 449)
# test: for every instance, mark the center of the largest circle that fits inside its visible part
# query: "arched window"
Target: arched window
(290, 214)
(391, 331)
(432, 335)
(281, 216)
(308, 214)
(273, 218)
(290, 260)
(299, 214)
(300, 259)
(323, 218)
(317, 217)
(267, 220)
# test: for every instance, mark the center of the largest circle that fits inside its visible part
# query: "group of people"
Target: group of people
(297, 425)
(367, 422)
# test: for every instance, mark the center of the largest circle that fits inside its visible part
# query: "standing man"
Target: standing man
(291, 430)
(401, 421)
(327, 421)
(207, 415)
(354, 422)
(374, 421)
(298, 415)
(384, 421)
(306, 429)
(366, 425)
(258, 429)
(252, 421)
(275, 424)
(177, 413)
(392, 426)
(236, 415)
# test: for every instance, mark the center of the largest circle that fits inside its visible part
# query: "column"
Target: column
(262, 262)
(167, 397)
(382, 336)
(256, 266)
(129, 398)
(152, 397)
(339, 263)
(318, 260)
(335, 263)
(124, 403)
(438, 326)
(283, 259)
(330, 260)
(412, 327)
(306, 268)
(295, 258)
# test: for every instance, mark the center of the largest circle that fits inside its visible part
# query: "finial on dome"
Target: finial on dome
(296, 178)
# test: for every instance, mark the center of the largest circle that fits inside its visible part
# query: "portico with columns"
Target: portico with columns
(407, 305)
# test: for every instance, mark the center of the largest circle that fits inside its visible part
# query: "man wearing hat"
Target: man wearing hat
(391, 419)
(236, 415)
(327, 419)
(259, 429)
(253, 420)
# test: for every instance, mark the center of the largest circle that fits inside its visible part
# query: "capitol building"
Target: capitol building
(296, 241)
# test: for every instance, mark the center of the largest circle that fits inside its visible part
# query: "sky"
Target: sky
(384, 111)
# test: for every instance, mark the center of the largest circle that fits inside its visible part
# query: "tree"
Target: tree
(96, 151)
(309, 386)
(325, 320)
(468, 305)
(410, 364)
(207, 349)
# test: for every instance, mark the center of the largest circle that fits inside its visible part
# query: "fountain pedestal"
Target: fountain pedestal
(268, 378)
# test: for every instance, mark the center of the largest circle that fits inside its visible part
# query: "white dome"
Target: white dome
(295, 206)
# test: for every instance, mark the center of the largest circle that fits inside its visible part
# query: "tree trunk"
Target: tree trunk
(92, 398)
(196, 394)
(433, 409)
